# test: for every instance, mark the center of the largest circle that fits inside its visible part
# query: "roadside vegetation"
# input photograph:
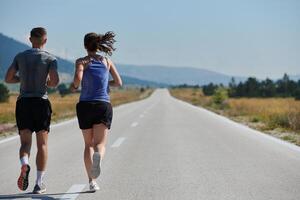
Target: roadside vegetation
(278, 115)
(63, 106)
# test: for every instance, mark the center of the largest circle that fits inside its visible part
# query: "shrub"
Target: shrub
(4, 93)
(220, 96)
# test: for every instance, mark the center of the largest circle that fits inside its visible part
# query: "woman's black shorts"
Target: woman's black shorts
(94, 112)
(33, 113)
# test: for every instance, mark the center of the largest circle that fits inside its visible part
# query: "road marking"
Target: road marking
(134, 124)
(118, 142)
(73, 192)
(9, 139)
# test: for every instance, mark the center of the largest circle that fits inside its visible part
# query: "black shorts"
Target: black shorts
(33, 113)
(94, 112)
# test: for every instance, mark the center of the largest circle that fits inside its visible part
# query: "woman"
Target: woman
(94, 111)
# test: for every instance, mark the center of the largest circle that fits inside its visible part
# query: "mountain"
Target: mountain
(175, 75)
(10, 47)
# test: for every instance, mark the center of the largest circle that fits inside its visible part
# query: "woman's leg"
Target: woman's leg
(88, 150)
(100, 132)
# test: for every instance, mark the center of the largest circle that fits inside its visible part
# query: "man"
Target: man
(36, 70)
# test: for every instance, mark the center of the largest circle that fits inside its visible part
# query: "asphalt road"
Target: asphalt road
(163, 148)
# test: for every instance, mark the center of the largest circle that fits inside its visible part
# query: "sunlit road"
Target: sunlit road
(163, 148)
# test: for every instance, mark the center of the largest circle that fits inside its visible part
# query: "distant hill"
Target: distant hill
(156, 76)
(175, 75)
(10, 47)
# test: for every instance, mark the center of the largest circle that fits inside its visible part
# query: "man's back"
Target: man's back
(33, 66)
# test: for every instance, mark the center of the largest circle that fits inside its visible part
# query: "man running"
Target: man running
(36, 70)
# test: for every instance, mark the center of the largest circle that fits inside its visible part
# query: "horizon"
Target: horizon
(261, 36)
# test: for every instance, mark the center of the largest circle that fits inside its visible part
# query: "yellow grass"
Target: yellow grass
(64, 107)
(272, 113)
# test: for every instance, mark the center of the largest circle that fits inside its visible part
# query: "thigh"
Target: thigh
(42, 115)
(88, 136)
(84, 115)
(24, 117)
(100, 132)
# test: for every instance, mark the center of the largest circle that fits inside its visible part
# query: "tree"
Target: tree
(4, 93)
(252, 87)
(63, 89)
(209, 89)
(232, 88)
(267, 88)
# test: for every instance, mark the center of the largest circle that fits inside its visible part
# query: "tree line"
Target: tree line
(252, 87)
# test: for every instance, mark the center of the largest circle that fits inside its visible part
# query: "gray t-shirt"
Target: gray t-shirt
(33, 66)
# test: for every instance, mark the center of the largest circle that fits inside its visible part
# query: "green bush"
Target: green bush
(220, 96)
(4, 93)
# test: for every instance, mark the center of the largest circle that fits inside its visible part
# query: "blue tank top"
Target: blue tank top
(94, 84)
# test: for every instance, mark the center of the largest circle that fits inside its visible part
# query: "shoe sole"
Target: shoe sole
(95, 171)
(39, 192)
(23, 179)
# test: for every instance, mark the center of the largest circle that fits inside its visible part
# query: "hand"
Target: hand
(73, 88)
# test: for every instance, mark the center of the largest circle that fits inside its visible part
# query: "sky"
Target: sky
(236, 37)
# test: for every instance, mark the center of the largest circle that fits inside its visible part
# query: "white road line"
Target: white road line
(73, 192)
(134, 124)
(9, 139)
(118, 142)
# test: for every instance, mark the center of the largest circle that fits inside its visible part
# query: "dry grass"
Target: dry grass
(277, 116)
(64, 107)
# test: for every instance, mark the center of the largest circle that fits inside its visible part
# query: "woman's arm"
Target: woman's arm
(79, 67)
(117, 81)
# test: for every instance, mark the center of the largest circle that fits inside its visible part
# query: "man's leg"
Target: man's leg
(42, 155)
(24, 153)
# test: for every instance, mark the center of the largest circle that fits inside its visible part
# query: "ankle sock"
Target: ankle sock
(24, 160)
(39, 177)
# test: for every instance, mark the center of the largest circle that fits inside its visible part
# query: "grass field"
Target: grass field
(64, 107)
(276, 116)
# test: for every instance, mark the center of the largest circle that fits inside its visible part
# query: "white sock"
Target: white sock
(24, 160)
(39, 177)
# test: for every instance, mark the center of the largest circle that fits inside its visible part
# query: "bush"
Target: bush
(220, 96)
(4, 93)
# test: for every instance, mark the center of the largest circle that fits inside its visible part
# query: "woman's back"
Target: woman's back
(94, 85)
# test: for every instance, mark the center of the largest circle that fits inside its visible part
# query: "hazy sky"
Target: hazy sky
(236, 37)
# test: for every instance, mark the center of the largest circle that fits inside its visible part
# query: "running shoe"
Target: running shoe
(39, 189)
(95, 171)
(94, 186)
(23, 178)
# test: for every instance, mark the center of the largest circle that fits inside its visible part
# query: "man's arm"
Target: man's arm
(11, 75)
(53, 79)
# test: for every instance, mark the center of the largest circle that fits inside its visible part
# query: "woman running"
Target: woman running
(94, 111)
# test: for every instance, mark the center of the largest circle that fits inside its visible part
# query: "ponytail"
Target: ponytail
(98, 42)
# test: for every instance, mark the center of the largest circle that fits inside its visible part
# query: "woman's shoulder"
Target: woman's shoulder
(83, 60)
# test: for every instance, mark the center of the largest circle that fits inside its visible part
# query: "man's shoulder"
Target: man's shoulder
(48, 55)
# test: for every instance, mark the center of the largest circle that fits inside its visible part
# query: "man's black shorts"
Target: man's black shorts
(33, 113)
(94, 112)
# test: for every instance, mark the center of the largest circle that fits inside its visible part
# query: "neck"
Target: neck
(37, 46)
(92, 54)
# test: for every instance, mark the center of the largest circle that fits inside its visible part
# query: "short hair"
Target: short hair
(38, 32)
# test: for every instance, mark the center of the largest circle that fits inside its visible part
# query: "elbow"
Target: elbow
(7, 79)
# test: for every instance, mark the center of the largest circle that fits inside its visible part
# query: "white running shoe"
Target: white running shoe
(95, 171)
(94, 186)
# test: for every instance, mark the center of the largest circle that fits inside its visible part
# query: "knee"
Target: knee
(42, 146)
